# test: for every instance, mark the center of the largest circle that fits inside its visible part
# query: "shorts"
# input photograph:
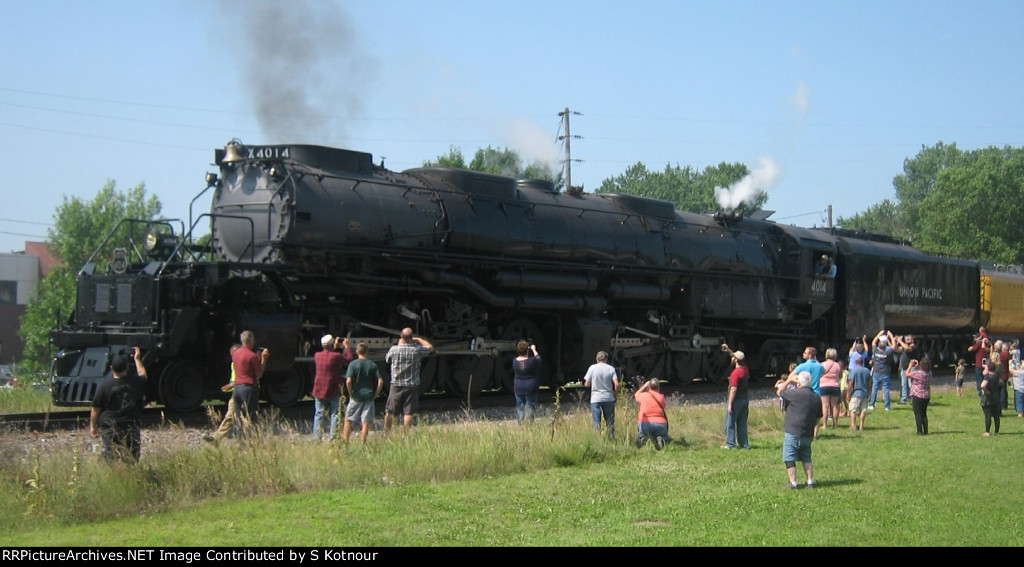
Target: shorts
(796, 448)
(832, 391)
(404, 398)
(360, 412)
(857, 405)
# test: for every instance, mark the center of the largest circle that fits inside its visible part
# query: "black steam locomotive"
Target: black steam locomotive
(307, 240)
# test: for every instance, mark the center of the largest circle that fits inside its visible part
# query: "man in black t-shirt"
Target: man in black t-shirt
(117, 408)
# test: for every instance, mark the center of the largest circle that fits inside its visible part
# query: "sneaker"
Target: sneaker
(811, 484)
(888, 409)
(792, 485)
(726, 447)
(659, 443)
(871, 408)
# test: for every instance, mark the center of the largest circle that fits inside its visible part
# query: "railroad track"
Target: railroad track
(570, 394)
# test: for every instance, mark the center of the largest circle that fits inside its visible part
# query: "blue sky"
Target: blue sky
(834, 95)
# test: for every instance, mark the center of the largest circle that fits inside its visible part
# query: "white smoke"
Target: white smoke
(764, 178)
(801, 99)
(532, 142)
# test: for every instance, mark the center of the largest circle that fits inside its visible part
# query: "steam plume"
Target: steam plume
(745, 190)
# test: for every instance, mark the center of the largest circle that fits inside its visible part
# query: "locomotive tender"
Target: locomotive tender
(307, 240)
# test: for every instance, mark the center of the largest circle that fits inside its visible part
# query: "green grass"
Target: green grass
(27, 398)
(553, 483)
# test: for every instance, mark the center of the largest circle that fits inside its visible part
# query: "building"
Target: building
(20, 274)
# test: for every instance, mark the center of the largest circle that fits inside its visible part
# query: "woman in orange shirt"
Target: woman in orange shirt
(652, 419)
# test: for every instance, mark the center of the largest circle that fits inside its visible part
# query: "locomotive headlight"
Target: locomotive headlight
(158, 243)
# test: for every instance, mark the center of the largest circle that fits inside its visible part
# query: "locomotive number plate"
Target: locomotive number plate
(269, 152)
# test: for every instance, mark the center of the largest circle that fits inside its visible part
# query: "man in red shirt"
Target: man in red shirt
(737, 407)
(249, 366)
(980, 348)
(330, 373)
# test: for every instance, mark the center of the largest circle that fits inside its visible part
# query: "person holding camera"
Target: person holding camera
(603, 381)
(803, 410)
(881, 367)
(330, 364)
(405, 359)
(526, 380)
(989, 395)
(737, 407)
(249, 364)
(652, 420)
(919, 373)
(981, 349)
(117, 408)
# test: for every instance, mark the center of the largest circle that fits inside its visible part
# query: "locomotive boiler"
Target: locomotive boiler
(306, 240)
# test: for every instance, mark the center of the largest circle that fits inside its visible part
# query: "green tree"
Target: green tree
(954, 202)
(687, 188)
(882, 218)
(499, 162)
(901, 218)
(79, 228)
(973, 209)
(452, 159)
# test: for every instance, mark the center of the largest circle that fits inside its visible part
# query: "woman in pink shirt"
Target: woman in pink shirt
(920, 376)
(828, 384)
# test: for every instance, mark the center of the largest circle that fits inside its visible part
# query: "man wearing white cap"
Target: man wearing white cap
(737, 408)
(330, 375)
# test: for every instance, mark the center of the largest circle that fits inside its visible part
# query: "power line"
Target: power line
(22, 234)
(27, 222)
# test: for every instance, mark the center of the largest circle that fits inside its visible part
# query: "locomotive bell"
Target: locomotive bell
(233, 152)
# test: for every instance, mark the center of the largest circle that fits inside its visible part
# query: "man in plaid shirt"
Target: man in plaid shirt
(405, 359)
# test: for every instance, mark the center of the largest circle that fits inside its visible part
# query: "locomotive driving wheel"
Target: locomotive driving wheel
(685, 367)
(470, 375)
(651, 365)
(181, 387)
(716, 367)
(283, 392)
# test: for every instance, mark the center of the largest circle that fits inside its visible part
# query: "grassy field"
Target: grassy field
(554, 483)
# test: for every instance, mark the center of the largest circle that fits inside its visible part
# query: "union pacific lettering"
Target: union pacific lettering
(915, 292)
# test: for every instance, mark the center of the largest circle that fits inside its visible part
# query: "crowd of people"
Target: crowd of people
(813, 394)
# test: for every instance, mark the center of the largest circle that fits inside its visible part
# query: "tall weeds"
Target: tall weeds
(274, 458)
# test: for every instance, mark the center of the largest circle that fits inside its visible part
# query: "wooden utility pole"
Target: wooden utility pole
(567, 162)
